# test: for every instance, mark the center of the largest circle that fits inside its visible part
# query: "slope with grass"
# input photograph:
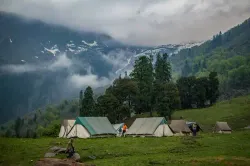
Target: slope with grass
(206, 149)
(235, 111)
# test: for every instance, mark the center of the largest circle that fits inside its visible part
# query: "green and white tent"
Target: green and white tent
(118, 127)
(66, 125)
(85, 127)
(156, 127)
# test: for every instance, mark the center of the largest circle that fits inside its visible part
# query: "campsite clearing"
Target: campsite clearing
(206, 149)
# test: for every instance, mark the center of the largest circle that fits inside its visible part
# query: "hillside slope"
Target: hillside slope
(235, 111)
(227, 54)
(42, 64)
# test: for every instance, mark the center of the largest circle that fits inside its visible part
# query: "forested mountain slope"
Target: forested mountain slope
(227, 53)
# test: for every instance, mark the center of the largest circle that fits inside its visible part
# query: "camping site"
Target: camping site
(207, 148)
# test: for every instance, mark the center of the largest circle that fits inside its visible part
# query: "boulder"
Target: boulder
(49, 155)
(58, 162)
(76, 157)
(57, 149)
(61, 150)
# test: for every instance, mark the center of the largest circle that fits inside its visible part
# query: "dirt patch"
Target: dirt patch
(58, 162)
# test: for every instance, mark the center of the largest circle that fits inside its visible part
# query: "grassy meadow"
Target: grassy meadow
(206, 149)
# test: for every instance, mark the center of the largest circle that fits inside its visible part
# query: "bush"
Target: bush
(52, 130)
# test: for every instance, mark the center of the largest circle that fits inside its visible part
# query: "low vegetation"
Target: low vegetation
(206, 149)
(234, 111)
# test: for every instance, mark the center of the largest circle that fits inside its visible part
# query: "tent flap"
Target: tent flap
(96, 125)
(179, 126)
(147, 126)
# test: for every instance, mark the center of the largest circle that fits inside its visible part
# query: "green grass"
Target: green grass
(236, 112)
(206, 149)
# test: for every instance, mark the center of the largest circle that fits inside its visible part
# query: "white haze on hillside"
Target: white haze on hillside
(73, 80)
(61, 62)
(139, 22)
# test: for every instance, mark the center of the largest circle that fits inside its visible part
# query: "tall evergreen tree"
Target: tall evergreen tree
(80, 102)
(214, 87)
(88, 103)
(162, 76)
(186, 70)
(108, 105)
(18, 126)
(168, 99)
(162, 69)
(143, 75)
(186, 91)
(125, 90)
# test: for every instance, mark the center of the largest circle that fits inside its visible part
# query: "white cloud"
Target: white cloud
(117, 58)
(25, 68)
(61, 62)
(143, 22)
(79, 81)
(73, 80)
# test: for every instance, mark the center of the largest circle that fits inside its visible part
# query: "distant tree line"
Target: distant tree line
(149, 88)
(41, 122)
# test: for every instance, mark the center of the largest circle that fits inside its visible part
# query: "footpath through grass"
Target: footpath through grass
(206, 149)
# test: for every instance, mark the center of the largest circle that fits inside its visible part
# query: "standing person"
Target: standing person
(124, 129)
(70, 149)
(120, 131)
(194, 127)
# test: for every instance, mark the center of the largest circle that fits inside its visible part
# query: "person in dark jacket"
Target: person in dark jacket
(70, 149)
(194, 129)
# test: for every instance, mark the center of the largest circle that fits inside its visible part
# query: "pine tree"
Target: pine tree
(214, 87)
(143, 75)
(162, 77)
(80, 102)
(168, 99)
(108, 105)
(88, 103)
(18, 126)
(186, 70)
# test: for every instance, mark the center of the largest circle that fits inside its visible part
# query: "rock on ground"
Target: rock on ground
(57, 149)
(49, 154)
(76, 157)
(58, 162)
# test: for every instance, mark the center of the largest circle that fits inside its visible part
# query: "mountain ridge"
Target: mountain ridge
(43, 64)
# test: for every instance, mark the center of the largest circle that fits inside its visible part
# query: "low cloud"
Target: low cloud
(79, 81)
(24, 68)
(118, 58)
(73, 80)
(144, 22)
(61, 62)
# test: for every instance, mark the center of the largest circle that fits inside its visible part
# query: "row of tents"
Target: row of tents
(86, 127)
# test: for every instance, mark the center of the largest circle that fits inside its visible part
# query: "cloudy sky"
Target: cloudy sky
(139, 22)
